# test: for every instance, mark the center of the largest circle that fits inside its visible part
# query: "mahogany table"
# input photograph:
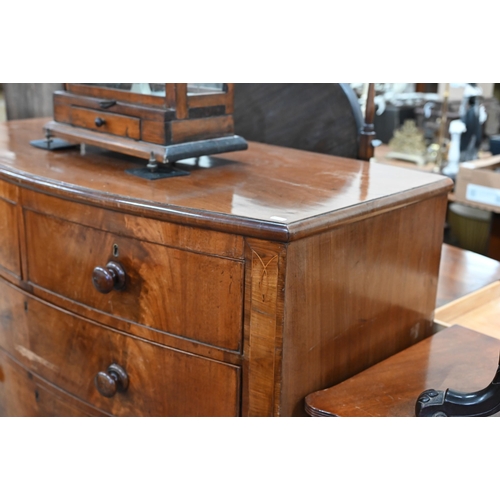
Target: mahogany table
(456, 358)
(462, 272)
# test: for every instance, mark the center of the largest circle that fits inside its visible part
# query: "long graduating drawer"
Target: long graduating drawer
(180, 292)
(69, 352)
(23, 394)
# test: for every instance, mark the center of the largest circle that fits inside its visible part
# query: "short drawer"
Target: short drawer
(9, 235)
(123, 126)
(70, 352)
(184, 293)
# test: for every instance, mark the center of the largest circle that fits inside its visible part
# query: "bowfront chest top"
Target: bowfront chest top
(261, 277)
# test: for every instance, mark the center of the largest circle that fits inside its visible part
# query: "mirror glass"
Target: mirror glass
(136, 88)
(159, 88)
(204, 88)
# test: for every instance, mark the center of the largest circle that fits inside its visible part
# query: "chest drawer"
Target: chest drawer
(123, 126)
(70, 352)
(184, 293)
(23, 394)
(9, 237)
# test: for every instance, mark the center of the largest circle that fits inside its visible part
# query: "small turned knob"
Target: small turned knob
(114, 380)
(108, 278)
(99, 122)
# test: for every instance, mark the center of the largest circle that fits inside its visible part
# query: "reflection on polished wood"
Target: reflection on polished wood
(264, 191)
(462, 272)
(456, 358)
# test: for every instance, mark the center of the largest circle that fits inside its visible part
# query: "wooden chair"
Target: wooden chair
(320, 117)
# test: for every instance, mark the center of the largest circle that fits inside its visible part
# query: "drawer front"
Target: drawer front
(9, 236)
(124, 126)
(69, 352)
(23, 394)
(188, 294)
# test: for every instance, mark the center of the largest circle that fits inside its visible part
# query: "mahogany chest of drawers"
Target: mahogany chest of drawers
(263, 276)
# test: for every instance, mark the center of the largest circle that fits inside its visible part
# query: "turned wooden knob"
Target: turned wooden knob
(111, 277)
(113, 380)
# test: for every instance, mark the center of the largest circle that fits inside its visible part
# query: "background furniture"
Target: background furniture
(456, 358)
(248, 285)
(29, 100)
(320, 117)
(462, 272)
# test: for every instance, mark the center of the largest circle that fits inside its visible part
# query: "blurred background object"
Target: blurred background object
(29, 100)
(3, 115)
(320, 117)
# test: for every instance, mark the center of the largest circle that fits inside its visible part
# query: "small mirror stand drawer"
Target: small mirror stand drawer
(123, 126)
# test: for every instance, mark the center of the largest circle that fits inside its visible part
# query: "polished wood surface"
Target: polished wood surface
(69, 352)
(352, 292)
(160, 285)
(248, 284)
(267, 192)
(146, 125)
(9, 233)
(456, 358)
(478, 310)
(24, 394)
(109, 123)
(462, 272)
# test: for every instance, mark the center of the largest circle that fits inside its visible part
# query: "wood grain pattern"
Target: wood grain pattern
(149, 230)
(23, 394)
(242, 193)
(157, 336)
(155, 132)
(66, 100)
(462, 272)
(170, 94)
(202, 128)
(455, 358)
(181, 105)
(263, 328)
(123, 126)
(197, 101)
(168, 289)
(69, 351)
(478, 311)
(230, 98)
(357, 295)
(9, 235)
(262, 276)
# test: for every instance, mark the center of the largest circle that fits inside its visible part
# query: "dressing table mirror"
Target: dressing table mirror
(161, 122)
